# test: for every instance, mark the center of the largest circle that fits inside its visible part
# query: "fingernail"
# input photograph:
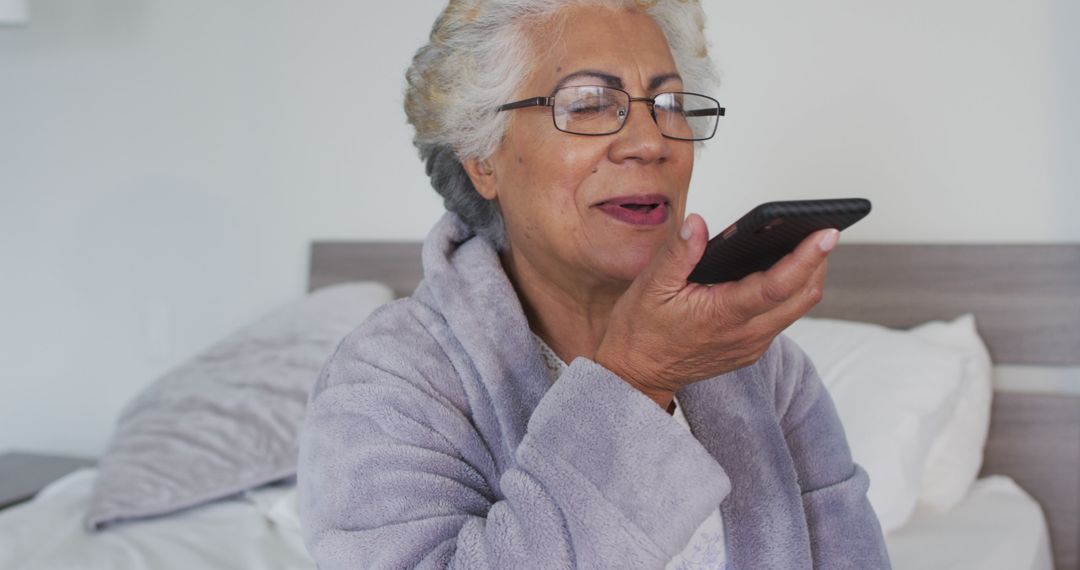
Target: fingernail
(686, 229)
(829, 240)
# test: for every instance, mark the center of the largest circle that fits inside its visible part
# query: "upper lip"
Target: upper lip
(636, 199)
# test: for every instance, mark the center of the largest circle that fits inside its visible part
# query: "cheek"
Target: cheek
(682, 174)
(560, 177)
(580, 166)
(540, 197)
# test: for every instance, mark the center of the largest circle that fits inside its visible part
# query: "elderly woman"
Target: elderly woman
(556, 394)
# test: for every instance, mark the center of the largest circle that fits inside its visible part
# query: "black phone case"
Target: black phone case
(769, 232)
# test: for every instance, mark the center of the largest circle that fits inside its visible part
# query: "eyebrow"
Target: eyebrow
(614, 80)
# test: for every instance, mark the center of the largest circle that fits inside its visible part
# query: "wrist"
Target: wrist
(621, 368)
(665, 400)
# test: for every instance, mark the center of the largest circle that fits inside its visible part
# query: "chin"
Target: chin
(624, 261)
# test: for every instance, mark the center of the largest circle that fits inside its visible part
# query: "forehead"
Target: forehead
(625, 43)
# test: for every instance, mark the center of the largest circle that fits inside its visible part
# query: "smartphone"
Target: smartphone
(769, 232)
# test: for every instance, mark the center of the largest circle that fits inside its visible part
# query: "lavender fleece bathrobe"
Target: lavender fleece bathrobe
(434, 438)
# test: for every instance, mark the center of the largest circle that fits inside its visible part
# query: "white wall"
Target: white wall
(164, 165)
(951, 116)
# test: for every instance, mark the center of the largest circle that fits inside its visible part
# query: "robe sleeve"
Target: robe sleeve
(844, 529)
(394, 475)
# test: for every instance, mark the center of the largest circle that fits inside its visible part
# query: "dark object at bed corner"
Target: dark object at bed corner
(22, 474)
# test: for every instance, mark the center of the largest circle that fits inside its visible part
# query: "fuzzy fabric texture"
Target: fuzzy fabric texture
(434, 438)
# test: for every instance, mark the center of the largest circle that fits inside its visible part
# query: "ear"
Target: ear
(483, 176)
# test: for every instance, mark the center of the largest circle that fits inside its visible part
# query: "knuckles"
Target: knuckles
(774, 292)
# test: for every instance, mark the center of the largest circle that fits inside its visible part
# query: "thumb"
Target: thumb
(678, 257)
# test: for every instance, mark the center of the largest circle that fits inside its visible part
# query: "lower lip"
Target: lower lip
(653, 217)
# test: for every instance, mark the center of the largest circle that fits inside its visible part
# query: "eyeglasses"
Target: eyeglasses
(598, 110)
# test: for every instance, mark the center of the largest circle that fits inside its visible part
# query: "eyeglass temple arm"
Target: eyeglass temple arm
(533, 102)
(704, 112)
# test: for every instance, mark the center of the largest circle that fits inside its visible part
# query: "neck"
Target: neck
(568, 309)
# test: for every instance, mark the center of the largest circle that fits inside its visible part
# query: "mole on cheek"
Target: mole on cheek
(521, 160)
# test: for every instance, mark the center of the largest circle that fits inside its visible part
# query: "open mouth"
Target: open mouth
(640, 207)
(642, 210)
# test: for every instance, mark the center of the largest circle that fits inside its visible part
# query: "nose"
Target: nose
(640, 137)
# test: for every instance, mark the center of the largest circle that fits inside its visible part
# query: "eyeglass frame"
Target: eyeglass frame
(549, 101)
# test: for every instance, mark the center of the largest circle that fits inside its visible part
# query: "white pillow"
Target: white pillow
(957, 454)
(894, 393)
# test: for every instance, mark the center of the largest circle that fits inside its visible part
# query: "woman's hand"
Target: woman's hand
(665, 332)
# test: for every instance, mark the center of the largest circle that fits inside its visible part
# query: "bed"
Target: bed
(1022, 512)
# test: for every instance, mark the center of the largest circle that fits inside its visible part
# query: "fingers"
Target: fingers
(791, 273)
(773, 322)
(782, 316)
(682, 251)
(761, 292)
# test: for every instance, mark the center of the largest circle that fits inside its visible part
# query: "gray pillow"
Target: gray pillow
(227, 420)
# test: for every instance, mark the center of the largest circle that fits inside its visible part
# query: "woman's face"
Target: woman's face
(552, 186)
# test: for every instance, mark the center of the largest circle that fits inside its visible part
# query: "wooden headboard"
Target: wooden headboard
(1026, 302)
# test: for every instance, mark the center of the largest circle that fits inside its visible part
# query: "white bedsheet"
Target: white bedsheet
(257, 530)
(998, 526)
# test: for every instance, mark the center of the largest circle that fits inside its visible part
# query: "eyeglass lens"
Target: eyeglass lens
(595, 110)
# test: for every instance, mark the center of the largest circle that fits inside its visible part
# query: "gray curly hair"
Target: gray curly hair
(473, 63)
